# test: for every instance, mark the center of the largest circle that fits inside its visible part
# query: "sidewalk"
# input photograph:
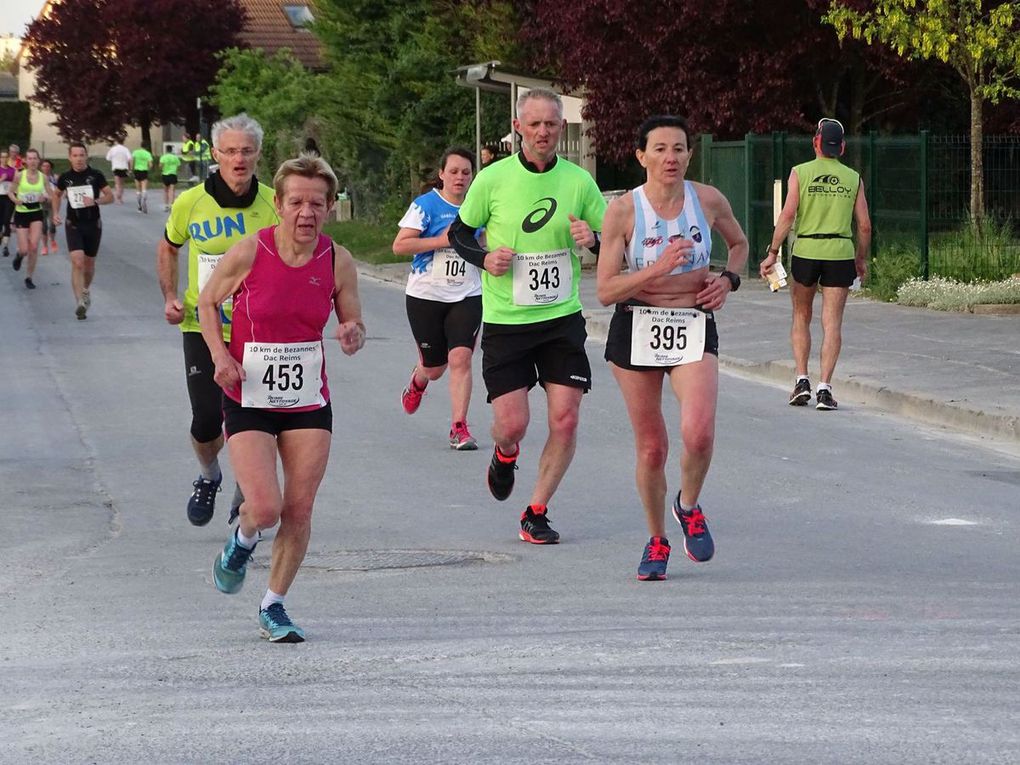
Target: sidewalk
(956, 370)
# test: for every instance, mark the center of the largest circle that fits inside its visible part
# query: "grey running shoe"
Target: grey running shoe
(801, 393)
(80, 310)
(86, 298)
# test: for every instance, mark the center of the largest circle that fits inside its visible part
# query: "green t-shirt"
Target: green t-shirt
(529, 212)
(142, 159)
(212, 230)
(169, 163)
(828, 192)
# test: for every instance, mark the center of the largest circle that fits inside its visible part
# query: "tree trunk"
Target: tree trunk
(146, 136)
(977, 172)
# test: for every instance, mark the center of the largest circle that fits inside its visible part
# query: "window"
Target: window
(299, 16)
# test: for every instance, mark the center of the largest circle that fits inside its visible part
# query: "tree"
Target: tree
(277, 91)
(146, 61)
(731, 66)
(981, 45)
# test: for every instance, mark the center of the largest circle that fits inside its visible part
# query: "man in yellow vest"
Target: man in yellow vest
(824, 198)
(204, 155)
(189, 156)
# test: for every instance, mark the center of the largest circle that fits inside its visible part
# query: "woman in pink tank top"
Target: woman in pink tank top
(284, 283)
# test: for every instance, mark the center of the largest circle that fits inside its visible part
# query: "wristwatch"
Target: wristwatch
(734, 280)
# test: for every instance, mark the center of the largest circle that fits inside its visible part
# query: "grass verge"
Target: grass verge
(368, 242)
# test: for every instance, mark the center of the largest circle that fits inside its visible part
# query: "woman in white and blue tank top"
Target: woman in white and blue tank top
(664, 324)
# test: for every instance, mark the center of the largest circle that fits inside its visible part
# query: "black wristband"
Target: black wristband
(734, 280)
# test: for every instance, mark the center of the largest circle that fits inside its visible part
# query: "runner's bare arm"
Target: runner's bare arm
(409, 241)
(12, 192)
(347, 303)
(713, 295)
(863, 221)
(58, 194)
(230, 271)
(166, 270)
(612, 286)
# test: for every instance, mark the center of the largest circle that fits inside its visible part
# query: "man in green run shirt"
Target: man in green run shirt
(141, 161)
(824, 198)
(168, 164)
(210, 218)
(536, 208)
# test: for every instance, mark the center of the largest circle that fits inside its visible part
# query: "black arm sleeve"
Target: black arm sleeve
(462, 239)
(598, 244)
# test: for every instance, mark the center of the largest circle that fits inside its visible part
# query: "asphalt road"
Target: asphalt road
(862, 606)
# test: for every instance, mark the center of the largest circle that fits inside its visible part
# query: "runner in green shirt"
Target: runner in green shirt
(824, 198)
(210, 218)
(141, 161)
(536, 209)
(168, 164)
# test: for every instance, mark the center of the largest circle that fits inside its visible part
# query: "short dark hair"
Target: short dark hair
(658, 121)
(77, 145)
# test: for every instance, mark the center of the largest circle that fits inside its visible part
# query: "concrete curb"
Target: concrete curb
(915, 406)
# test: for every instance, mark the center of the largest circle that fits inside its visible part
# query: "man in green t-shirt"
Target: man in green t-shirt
(210, 218)
(141, 161)
(168, 164)
(824, 198)
(536, 208)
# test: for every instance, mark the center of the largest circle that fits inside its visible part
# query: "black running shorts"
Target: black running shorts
(516, 356)
(141, 175)
(26, 219)
(84, 236)
(827, 273)
(206, 396)
(169, 180)
(120, 173)
(618, 345)
(439, 327)
(237, 419)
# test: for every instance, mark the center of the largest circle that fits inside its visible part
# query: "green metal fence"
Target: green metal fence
(918, 190)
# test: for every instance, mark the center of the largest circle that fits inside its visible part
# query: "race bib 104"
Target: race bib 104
(282, 375)
(449, 268)
(542, 278)
(667, 337)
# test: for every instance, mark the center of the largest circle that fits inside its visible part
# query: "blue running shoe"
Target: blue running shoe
(277, 626)
(231, 565)
(653, 562)
(698, 542)
(203, 501)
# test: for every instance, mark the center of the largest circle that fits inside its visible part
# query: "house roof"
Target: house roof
(269, 28)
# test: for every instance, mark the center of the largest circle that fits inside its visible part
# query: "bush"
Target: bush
(990, 251)
(947, 294)
(895, 265)
(15, 124)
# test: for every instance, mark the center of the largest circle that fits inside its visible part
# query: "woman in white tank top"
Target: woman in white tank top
(664, 324)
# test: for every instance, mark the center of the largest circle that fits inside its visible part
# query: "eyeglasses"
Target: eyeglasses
(823, 120)
(246, 152)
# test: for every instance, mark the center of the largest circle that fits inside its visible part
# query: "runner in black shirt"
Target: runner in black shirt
(86, 189)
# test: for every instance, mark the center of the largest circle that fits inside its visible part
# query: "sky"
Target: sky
(16, 14)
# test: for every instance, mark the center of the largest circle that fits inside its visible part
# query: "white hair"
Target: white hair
(539, 93)
(240, 122)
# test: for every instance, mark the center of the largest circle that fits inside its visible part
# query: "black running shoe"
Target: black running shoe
(801, 393)
(203, 501)
(7, 253)
(698, 542)
(29, 284)
(17, 261)
(825, 400)
(501, 474)
(535, 527)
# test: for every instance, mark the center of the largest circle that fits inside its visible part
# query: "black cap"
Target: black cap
(831, 133)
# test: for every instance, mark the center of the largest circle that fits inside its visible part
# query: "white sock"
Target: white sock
(211, 472)
(803, 377)
(270, 598)
(825, 386)
(246, 541)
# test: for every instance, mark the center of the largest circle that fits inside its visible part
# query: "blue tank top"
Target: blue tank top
(652, 234)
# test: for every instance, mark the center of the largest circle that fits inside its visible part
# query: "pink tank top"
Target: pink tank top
(278, 303)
